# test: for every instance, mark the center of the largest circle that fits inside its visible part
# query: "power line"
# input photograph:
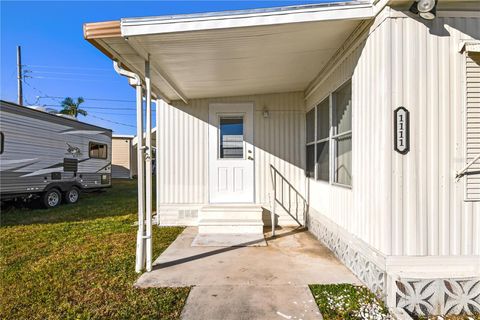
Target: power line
(71, 73)
(92, 99)
(95, 107)
(97, 117)
(109, 113)
(34, 88)
(68, 79)
(65, 67)
(115, 122)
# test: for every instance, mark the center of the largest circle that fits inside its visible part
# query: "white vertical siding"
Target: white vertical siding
(364, 210)
(278, 139)
(183, 154)
(406, 204)
(428, 78)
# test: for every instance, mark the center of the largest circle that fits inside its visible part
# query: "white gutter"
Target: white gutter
(140, 249)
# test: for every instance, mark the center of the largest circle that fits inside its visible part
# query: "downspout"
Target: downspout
(135, 80)
(148, 166)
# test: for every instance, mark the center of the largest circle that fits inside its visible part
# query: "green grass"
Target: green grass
(348, 302)
(77, 262)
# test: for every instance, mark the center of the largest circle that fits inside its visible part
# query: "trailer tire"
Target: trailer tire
(51, 198)
(72, 195)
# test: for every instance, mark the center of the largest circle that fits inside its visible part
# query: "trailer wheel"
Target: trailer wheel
(52, 198)
(72, 195)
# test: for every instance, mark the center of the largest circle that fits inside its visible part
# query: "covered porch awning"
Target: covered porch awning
(231, 53)
(220, 54)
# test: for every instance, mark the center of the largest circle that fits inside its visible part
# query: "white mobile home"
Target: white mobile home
(359, 118)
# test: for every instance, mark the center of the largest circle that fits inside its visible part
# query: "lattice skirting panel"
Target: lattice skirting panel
(438, 296)
(416, 296)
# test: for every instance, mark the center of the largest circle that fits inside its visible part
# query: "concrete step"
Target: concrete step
(232, 212)
(229, 229)
(231, 219)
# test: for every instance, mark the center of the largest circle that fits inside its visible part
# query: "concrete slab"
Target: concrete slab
(229, 240)
(248, 282)
(293, 257)
(250, 302)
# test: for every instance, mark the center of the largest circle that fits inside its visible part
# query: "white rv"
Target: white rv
(50, 157)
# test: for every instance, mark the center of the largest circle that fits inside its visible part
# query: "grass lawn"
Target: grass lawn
(77, 261)
(348, 302)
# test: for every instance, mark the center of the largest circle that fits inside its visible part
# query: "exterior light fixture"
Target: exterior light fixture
(426, 9)
(266, 114)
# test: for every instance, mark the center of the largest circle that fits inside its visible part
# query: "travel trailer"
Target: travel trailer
(50, 157)
(358, 120)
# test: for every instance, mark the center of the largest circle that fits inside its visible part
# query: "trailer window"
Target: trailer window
(98, 150)
(1, 142)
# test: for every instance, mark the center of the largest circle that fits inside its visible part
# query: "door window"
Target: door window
(231, 137)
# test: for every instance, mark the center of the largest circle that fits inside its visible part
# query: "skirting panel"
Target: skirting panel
(369, 272)
(439, 296)
(184, 215)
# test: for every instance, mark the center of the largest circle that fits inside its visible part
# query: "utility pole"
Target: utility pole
(19, 75)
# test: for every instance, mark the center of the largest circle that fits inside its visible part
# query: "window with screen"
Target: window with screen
(323, 145)
(97, 150)
(310, 134)
(329, 138)
(342, 137)
(231, 138)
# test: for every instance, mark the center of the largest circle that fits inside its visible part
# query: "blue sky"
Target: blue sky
(60, 63)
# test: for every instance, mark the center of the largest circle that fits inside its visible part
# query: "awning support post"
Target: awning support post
(134, 79)
(148, 166)
(159, 103)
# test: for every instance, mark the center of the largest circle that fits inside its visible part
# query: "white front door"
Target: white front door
(231, 154)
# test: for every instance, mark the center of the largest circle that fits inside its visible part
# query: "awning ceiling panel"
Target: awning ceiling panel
(229, 61)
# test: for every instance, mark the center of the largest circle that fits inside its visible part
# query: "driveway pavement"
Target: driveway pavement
(249, 282)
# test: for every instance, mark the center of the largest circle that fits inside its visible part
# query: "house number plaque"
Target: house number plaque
(402, 130)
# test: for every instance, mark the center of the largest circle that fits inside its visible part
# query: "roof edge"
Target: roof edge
(106, 29)
(250, 18)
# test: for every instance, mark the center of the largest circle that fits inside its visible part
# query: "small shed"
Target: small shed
(123, 157)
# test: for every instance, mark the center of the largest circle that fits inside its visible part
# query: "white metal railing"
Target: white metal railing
(462, 172)
(293, 208)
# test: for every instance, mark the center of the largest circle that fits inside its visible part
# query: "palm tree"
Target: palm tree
(72, 108)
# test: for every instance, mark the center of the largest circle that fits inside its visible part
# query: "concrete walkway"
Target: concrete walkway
(248, 282)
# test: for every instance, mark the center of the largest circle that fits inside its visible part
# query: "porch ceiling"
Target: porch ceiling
(191, 59)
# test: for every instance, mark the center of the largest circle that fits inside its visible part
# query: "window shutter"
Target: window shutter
(473, 125)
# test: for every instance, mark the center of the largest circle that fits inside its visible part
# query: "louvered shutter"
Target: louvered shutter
(473, 125)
